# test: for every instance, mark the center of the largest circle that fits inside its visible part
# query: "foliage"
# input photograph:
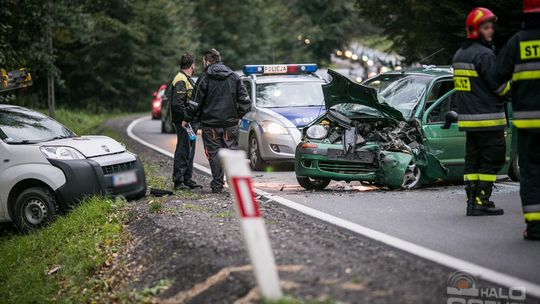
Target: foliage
(57, 263)
(421, 28)
(106, 52)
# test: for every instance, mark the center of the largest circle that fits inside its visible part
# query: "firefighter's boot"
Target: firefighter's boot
(470, 190)
(482, 205)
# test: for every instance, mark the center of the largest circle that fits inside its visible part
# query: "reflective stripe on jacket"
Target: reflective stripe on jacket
(479, 105)
(519, 60)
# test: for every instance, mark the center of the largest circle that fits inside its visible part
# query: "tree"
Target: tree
(420, 28)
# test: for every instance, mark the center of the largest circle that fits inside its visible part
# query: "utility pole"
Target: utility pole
(51, 102)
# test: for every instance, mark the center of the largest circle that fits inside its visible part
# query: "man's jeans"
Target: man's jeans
(215, 139)
(184, 154)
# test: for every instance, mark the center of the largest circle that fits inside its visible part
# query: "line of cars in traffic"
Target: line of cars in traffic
(397, 129)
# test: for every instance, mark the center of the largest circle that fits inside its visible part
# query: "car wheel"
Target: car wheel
(312, 183)
(411, 178)
(163, 130)
(34, 208)
(513, 171)
(255, 160)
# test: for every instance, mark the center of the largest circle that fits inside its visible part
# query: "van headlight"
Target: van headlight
(316, 132)
(61, 152)
(274, 128)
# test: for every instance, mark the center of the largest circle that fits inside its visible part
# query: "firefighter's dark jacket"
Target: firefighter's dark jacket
(220, 99)
(479, 105)
(181, 92)
(519, 61)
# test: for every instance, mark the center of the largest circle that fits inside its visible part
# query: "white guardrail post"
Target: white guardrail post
(252, 224)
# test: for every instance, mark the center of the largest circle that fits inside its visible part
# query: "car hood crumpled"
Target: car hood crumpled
(343, 90)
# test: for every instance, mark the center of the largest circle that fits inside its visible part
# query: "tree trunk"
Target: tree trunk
(51, 102)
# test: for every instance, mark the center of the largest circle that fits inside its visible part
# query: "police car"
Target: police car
(285, 99)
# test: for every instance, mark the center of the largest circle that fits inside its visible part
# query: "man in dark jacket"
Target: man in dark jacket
(181, 92)
(481, 112)
(219, 102)
(520, 61)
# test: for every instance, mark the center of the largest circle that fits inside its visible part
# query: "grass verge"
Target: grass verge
(56, 264)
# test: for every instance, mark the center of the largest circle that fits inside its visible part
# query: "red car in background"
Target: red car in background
(156, 101)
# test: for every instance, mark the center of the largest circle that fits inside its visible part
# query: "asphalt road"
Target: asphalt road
(430, 217)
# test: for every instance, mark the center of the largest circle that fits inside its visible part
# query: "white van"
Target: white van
(45, 168)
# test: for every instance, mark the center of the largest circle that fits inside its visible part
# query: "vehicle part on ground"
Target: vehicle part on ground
(34, 208)
(312, 184)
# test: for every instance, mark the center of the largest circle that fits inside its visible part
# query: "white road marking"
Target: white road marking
(414, 249)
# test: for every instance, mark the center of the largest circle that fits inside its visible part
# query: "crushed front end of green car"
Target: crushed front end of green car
(362, 139)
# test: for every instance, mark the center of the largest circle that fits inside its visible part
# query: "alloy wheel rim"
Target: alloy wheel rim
(35, 211)
(253, 151)
(411, 177)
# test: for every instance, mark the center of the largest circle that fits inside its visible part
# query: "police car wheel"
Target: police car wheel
(513, 171)
(312, 183)
(255, 160)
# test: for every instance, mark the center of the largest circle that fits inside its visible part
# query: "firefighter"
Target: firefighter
(481, 112)
(520, 61)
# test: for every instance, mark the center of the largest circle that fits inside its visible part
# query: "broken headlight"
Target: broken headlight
(316, 132)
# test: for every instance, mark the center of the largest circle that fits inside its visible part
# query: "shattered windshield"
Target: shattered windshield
(400, 91)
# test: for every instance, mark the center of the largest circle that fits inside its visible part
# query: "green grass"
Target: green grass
(80, 122)
(223, 214)
(155, 206)
(79, 243)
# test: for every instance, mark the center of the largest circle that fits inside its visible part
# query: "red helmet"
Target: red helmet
(476, 17)
(531, 6)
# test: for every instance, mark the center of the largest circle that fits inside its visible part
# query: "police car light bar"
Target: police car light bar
(273, 69)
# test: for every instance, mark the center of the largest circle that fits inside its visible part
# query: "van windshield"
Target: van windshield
(20, 126)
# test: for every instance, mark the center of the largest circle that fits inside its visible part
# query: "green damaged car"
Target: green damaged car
(398, 129)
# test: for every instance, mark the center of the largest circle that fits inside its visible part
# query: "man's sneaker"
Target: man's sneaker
(180, 186)
(214, 190)
(192, 184)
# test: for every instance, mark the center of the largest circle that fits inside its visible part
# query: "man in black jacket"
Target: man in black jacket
(481, 112)
(219, 102)
(181, 92)
(520, 61)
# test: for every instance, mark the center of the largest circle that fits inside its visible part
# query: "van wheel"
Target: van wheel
(34, 208)
(513, 171)
(312, 183)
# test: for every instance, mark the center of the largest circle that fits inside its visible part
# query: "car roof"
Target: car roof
(284, 78)
(432, 70)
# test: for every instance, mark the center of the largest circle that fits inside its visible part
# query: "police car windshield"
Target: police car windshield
(289, 94)
(400, 91)
(19, 125)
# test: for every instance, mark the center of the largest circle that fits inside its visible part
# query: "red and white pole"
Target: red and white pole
(252, 224)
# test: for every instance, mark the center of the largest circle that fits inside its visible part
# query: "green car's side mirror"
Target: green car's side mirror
(449, 118)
